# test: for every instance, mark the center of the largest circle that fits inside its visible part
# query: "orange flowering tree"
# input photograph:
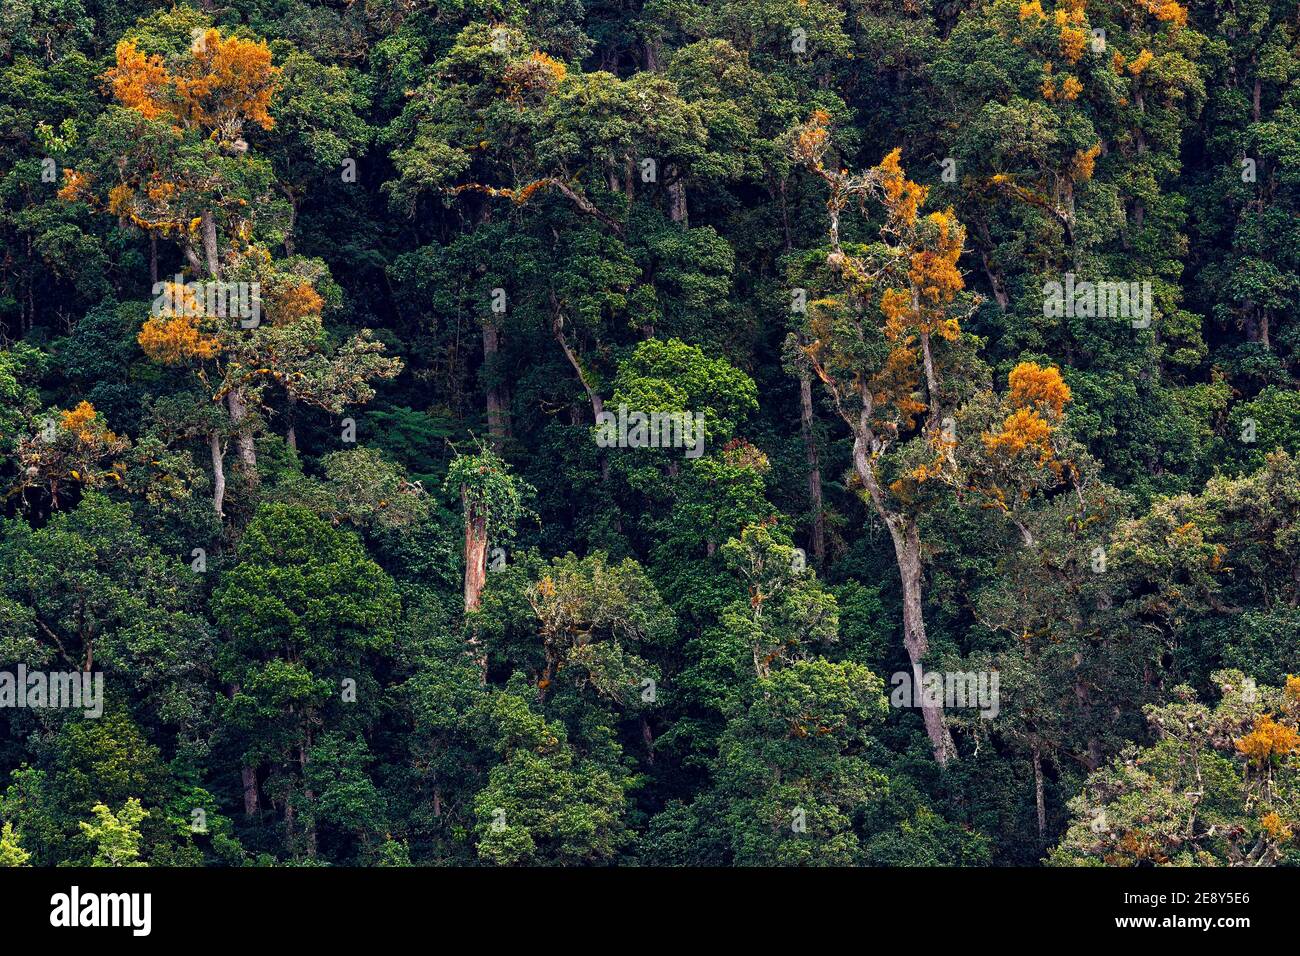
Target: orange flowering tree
(73, 449)
(1091, 58)
(288, 349)
(1014, 448)
(171, 158)
(886, 341)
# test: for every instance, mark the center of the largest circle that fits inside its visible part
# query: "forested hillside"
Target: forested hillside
(650, 432)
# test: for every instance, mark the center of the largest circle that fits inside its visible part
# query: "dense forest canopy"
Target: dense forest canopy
(650, 432)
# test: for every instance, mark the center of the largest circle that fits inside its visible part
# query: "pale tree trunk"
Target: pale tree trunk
(557, 327)
(475, 561)
(291, 434)
(211, 255)
(907, 547)
(237, 403)
(593, 396)
(931, 378)
(475, 575)
(814, 466)
(218, 474)
(907, 551)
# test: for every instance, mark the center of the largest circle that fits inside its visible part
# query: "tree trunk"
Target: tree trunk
(237, 402)
(648, 737)
(211, 256)
(931, 378)
(907, 551)
(1256, 325)
(814, 466)
(475, 578)
(475, 559)
(907, 548)
(310, 795)
(291, 434)
(498, 411)
(676, 195)
(247, 773)
(218, 474)
(557, 327)
(1038, 797)
(995, 279)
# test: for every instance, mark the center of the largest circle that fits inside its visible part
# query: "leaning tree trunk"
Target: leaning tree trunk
(907, 552)
(593, 396)
(907, 549)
